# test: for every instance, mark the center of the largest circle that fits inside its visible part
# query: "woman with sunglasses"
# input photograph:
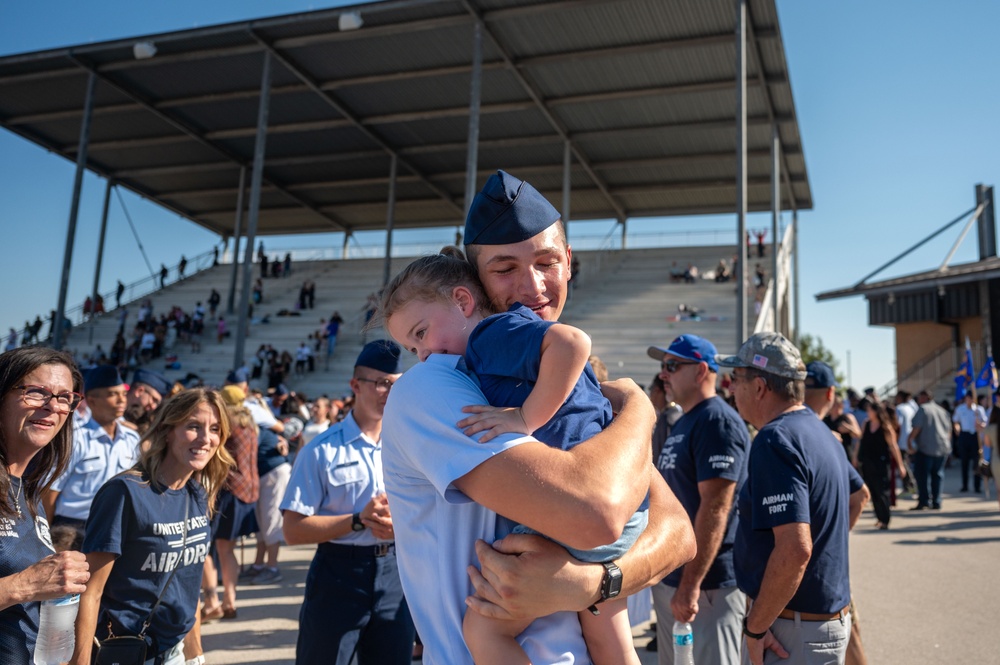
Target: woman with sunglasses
(149, 520)
(39, 388)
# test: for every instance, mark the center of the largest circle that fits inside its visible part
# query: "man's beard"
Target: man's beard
(138, 416)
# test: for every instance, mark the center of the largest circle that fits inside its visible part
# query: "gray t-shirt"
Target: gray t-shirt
(934, 437)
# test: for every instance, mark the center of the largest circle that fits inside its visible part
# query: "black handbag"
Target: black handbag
(131, 650)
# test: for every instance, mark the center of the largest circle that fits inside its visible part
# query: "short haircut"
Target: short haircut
(472, 251)
(788, 389)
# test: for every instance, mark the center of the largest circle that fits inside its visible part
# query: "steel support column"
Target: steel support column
(624, 222)
(741, 172)
(254, 212)
(237, 224)
(74, 211)
(100, 252)
(775, 213)
(795, 275)
(390, 217)
(566, 185)
(343, 249)
(475, 94)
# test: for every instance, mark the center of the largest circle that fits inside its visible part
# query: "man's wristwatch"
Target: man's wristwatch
(755, 636)
(611, 585)
(356, 523)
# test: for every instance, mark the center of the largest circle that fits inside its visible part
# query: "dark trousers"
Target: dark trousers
(353, 605)
(876, 476)
(924, 467)
(968, 453)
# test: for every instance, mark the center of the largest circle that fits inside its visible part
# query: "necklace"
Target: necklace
(17, 497)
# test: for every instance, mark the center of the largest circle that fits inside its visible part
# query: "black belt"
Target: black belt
(357, 551)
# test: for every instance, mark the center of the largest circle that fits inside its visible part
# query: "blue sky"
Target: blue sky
(896, 104)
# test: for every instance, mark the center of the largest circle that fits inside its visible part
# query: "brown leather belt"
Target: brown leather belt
(809, 616)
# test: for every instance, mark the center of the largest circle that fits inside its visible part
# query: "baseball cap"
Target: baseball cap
(233, 395)
(506, 211)
(689, 347)
(155, 381)
(768, 352)
(820, 375)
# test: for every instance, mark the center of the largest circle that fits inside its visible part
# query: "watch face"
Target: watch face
(612, 583)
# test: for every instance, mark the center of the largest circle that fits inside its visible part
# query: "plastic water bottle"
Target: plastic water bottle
(56, 630)
(683, 644)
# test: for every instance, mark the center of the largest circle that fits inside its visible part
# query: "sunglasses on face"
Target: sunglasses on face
(672, 365)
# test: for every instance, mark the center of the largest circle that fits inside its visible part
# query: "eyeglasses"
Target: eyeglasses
(381, 385)
(673, 365)
(37, 397)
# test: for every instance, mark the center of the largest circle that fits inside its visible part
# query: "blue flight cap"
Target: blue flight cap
(237, 376)
(155, 381)
(381, 355)
(820, 375)
(688, 347)
(506, 211)
(102, 376)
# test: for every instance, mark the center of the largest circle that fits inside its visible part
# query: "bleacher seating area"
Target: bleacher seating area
(624, 299)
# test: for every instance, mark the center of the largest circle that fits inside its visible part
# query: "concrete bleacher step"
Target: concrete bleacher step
(624, 299)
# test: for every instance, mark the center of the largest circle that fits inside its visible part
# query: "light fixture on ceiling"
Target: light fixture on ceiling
(350, 21)
(143, 50)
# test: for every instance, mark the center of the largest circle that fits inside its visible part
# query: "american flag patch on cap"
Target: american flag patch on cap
(759, 361)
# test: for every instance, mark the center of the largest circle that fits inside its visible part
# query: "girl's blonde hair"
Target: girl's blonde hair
(175, 411)
(431, 279)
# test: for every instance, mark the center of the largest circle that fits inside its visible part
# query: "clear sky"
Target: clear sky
(897, 106)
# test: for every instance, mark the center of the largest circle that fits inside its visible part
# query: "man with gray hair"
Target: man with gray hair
(796, 510)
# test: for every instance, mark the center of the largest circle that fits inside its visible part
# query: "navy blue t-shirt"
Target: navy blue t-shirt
(797, 474)
(710, 441)
(268, 457)
(144, 526)
(505, 351)
(23, 543)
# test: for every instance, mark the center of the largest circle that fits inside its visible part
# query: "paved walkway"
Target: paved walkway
(927, 591)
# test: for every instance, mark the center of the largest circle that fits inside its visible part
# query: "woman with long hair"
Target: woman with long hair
(39, 388)
(876, 452)
(151, 519)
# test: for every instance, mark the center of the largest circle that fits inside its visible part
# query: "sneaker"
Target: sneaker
(266, 576)
(247, 574)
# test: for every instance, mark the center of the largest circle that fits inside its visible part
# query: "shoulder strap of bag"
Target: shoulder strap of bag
(187, 508)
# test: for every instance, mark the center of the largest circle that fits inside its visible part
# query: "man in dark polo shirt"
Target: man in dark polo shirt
(796, 508)
(704, 461)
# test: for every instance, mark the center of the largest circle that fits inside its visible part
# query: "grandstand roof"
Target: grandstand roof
(644, 91)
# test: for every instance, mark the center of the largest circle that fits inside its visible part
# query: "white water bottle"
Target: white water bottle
(683, 644)
(56, 630)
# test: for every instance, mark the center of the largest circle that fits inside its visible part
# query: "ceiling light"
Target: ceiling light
(350, 21)
(144, 50)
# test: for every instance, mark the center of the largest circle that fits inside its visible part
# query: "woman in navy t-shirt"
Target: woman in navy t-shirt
(137, 534)
(39, 388)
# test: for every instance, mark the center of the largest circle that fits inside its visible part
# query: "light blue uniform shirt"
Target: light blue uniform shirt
(337, 473)
(96, 458)
(436, 525)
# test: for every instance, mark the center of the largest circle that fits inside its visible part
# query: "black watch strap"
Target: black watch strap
(746, 631)
(356, 523)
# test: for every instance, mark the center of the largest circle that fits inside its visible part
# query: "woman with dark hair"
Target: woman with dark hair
(876, 452)
(39, 388)
(151, 519)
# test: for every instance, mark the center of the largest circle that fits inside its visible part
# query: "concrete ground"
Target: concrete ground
(926, 590)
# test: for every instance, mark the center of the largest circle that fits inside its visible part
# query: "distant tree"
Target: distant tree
(812, 349)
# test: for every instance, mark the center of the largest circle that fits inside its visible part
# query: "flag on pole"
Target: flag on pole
(964, 373)
(988, 376)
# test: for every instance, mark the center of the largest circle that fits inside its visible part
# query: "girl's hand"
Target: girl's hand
(493, 420)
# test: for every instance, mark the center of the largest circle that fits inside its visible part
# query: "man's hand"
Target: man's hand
(527, 576)
(493, 420)
(756, 648)
(684, 603)
(282, 446)
(376, 517)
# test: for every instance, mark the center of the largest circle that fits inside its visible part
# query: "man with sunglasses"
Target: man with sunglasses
(336, 497)
(102, 448)
(796, 510)
(704, 463)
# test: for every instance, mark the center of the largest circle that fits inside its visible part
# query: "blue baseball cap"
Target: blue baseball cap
(506, 211)
(381, 355)
(688, 347)
(820, 375)
(102, 376)
(155, 381)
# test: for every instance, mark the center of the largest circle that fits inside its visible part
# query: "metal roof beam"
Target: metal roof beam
(340, 108)
(197, 136)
